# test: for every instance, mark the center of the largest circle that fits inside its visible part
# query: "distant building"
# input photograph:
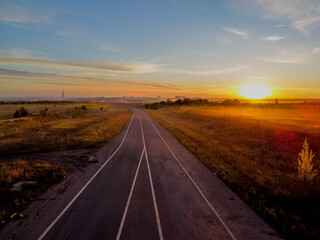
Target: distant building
(180, 97)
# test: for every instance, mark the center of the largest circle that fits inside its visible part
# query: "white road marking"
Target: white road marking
(152, 188)
(85, 186)
(129, 198)
(194, 183)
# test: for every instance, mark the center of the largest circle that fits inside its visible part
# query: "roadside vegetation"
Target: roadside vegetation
(42, 127)
(50, 127)
(263, 152)
(31, 178)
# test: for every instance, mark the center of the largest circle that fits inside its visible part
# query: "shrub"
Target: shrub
(83, 107)
(16, 114)
(305, 166)
(101, 108)
(23, 112)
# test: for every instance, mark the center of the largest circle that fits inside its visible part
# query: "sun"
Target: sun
(255, 91)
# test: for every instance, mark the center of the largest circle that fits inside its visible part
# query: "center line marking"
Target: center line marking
(194, 183)
(85, 186)
(129, 198)
(151, 184)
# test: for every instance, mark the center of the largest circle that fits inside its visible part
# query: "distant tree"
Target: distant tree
(16, 114)
(179, 102)
(23, 112)
(305, 166)
(83, 107)
(101, 108)
(46, 109)
(276, 101)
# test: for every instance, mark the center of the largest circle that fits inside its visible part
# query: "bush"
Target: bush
(22, 112)
(83, 107)
(16, 114)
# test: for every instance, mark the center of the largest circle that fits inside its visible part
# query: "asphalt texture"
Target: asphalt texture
(148, 186)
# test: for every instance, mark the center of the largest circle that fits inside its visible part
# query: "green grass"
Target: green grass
(69, 128)
(255, 152)
(12, 202)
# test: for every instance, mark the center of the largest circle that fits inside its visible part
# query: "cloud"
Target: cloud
(316, 50)
(21, 52)
(213, 72)
(133, 67)
(280, 25)
(12, 12)
(104, 47)
(289, 59)
(303, 15)
(238, 32)
(272, 38)
(81, 79)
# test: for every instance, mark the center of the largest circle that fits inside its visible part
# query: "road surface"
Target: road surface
(148, 186)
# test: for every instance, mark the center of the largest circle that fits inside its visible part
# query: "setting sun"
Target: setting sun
(255, 91)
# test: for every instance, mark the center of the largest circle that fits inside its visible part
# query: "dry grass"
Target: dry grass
(65, 128)
(62, 126)
(12, 172)
(255, 151)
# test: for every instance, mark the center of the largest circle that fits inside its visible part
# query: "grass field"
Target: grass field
(255, 150)
(63, 126)
(42, 176)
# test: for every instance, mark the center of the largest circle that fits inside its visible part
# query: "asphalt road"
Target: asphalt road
(148, 187)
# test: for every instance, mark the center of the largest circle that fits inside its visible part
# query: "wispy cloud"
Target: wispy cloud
(80, 79)
(101, 46)
(287, 58)
(21, 52)
(238, 32)
(12, 12)
(303, 15)
(280, 25)
(133, 67)
(214, 72)
(316, 50)
(274, 38)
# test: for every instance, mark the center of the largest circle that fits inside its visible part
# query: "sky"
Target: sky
(203, 48)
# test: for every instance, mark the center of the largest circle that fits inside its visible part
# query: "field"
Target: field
(254, 149)
(62, 126)
(48, 127)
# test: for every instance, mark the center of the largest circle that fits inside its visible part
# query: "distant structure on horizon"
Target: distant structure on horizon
(62, 94)
(180, 97)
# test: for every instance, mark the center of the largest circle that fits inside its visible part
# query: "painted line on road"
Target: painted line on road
(151, 184)
(129, 198)
(85, 186)
(194, 183)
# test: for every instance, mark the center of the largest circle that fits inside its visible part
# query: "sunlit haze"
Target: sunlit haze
(255, 91)
(160, 48)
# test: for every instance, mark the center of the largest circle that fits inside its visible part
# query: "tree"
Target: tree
(16, 114)
(305, 166)
(23, 112)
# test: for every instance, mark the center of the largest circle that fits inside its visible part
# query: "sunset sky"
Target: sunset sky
(159, 47)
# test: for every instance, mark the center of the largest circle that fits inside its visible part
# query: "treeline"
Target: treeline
(36, 102)
(179, 102)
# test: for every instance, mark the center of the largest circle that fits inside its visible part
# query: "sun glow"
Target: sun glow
(255, 91)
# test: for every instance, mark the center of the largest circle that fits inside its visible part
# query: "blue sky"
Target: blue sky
(159, 47)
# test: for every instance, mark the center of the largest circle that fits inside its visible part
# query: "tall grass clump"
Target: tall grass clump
(305, 165)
